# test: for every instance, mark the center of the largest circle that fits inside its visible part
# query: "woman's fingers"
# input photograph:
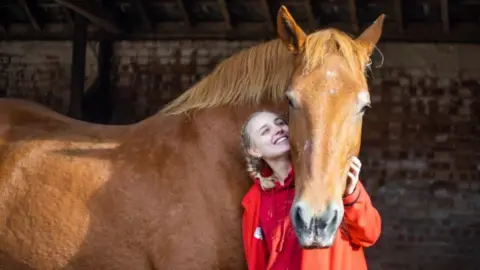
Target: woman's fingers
(357, 162)
(351, 176)
(355, 166)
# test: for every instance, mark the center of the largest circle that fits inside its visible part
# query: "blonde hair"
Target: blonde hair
(254, 164)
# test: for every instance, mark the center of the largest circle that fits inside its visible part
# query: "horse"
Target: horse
(163, 193)
(328, 97)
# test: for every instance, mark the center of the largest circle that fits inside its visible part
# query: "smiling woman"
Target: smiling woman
(266, 146)
(265, 139)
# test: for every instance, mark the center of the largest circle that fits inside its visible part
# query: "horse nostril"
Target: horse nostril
(298, 215)
(299, 219)
(335, 217)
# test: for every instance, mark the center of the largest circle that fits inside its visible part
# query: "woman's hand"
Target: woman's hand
(352, 178)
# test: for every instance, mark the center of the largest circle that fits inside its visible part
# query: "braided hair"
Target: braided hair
(255, 164)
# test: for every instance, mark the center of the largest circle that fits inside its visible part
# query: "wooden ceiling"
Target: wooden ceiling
(407, 20)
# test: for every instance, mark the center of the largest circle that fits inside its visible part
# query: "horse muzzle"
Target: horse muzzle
(316, 230)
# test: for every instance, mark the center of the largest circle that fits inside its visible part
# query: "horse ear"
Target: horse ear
(371, 35)
(290, 33)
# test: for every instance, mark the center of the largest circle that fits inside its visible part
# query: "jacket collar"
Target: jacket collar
(287, 183)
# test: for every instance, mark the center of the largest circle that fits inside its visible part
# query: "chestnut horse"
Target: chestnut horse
(163, 193)
(328, 96)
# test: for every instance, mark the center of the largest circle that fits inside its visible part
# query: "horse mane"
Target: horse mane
(264, 71)
(247, 77)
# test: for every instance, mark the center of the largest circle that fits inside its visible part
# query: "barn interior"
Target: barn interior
(120, 61)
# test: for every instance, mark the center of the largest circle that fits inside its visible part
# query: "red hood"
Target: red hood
(289, 180)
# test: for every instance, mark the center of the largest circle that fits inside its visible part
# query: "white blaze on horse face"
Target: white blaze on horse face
(307, 150)
(330, 74)
(307, 145)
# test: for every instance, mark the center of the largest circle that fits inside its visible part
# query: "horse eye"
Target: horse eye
(290, 103)
(291, 99)
(365, 108)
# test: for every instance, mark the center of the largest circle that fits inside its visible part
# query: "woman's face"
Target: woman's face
(269, 136)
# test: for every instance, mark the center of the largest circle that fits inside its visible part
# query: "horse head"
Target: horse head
(328, 96)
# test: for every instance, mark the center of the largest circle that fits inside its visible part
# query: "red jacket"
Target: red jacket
(360, 228)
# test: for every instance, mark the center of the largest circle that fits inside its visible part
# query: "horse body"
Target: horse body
(51, 166)
(160, 194)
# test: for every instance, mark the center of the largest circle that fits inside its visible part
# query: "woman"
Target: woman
(266, 223)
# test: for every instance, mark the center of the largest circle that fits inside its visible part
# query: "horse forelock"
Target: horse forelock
(324, 43)
(250, 76)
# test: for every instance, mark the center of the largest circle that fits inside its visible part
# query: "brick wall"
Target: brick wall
(40, 71)
(149, 74)
(421, 153)
(421, 146)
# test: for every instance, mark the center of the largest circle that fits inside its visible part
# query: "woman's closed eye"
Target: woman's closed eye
(280, 122)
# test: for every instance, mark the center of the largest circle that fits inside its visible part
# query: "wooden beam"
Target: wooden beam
(266, 10)
(416, 32)
(184, 11)
(97, 105)
(147, 22)
(96, 101)
(445, 15)
(352, 7)
(94, 12)
(77, 73)
(311, 18)
(28, 10)
(226, 15)
(104, 70)
(398, 9)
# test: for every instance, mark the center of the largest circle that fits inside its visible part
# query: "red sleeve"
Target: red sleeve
(361, 218)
